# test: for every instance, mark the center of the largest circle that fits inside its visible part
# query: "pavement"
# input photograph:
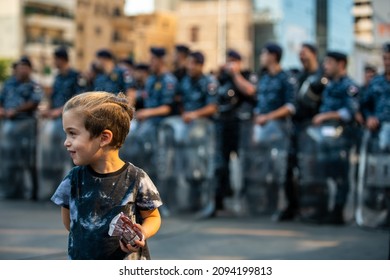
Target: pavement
(33, 230)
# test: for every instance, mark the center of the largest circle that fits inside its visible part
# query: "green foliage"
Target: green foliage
(5, 67)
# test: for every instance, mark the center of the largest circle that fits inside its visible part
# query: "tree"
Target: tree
(5, 65)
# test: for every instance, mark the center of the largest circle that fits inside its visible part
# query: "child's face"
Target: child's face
(83, 149)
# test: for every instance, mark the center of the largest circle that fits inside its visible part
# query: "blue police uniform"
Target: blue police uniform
(16, 93)
(309, 88)
(364, 107)
(8, 84)
(115, 82)
(274, 92)
(376, 99)
(198, 93)
(139, 89)
(234, 107)
(341, 96)
(308, 92)
(160, 90)
(19, 143)
(65, 87)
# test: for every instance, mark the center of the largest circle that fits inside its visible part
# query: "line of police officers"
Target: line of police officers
(231, 96)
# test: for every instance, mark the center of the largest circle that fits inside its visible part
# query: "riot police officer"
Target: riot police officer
(339, 103)
(111, 78)
(275, 91)
(157, 103)
(141, 74)
(375, 105)
(275, 98)
(235, 100)
(179, 70)
(19, 101)
(197, 90)
(67, 83)
(197, 93)
(127, 64)
(370, 72)
(375, 101)
(310, 83)
(180, 61)
(160, 88)
(90, 74)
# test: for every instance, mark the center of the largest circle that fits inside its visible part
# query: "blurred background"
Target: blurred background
(129, 29)
(36, 27)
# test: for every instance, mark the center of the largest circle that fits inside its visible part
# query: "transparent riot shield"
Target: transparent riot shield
(53, 160)
(2, 171)
(18, 158)
(324, 163)
(264, 154)
(373, 188)
(140, 146)
(186, 165)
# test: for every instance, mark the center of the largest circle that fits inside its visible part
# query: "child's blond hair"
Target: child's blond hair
(102, 110)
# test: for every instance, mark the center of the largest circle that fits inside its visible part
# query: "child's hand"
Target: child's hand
(139, 243)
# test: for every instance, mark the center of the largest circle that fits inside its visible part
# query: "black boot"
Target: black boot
(287, 214)
(335, 217)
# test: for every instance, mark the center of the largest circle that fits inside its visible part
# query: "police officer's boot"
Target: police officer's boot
(385, 224)
(195, 195)
(336, 216)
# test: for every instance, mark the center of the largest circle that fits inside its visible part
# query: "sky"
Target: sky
(138, 6)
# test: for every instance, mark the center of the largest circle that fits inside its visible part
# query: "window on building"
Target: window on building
(83, 3)
(194, 34)
(117, 12)
(80, 27)
(116, 36)
(98, 30)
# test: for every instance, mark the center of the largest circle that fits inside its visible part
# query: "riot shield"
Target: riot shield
(140, 146)
(53, 160)
(18, 157)
(264, 154)
(373, 188)
(323, 156)
(186, 165)
(2, 171)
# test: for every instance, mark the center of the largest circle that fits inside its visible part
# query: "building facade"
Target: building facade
(103, 24)
(214, 26)
(156, 29)
(372, 30)
(95, 28)
(35, 28)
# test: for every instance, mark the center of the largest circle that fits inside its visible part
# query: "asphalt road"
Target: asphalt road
(33, 230)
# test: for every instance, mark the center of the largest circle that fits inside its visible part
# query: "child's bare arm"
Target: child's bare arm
(151, 222)
(65, 217)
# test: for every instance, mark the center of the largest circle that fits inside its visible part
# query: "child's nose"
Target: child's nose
(66, 142)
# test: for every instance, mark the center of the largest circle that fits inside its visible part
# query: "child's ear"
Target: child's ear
(105, 138)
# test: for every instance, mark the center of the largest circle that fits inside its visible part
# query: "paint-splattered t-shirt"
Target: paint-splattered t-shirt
(95, 199)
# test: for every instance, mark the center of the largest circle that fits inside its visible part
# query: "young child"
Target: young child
(102, 185)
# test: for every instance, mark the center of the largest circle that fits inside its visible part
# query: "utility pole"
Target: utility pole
(222, 30)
